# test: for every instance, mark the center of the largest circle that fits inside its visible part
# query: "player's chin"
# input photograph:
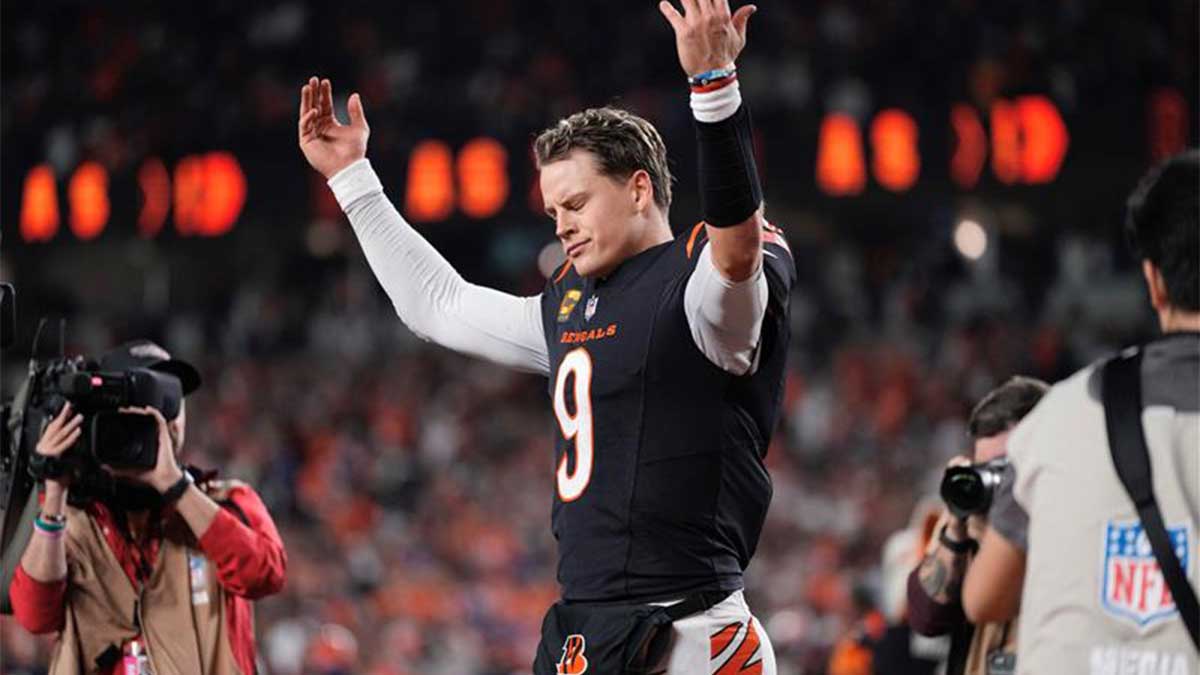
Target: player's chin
(584, 264)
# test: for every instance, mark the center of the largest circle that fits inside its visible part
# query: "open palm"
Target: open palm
(327, 144)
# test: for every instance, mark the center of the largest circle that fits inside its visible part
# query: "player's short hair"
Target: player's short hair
(1003, 407)
(1162, 226)
(621, 142)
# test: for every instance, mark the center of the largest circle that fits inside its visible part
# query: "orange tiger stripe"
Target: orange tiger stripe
(721, 639)
(692, 239)
(745, 651)
(563, 272)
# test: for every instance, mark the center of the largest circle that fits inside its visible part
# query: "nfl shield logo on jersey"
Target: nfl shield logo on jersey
(1134, 587)
(590, 310)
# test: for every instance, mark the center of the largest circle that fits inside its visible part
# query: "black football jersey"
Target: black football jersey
(660, 484)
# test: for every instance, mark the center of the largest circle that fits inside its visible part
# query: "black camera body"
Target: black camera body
(968, 490)
(109, 437)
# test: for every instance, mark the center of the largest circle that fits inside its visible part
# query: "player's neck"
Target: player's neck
(656, 230)
(1172, 320)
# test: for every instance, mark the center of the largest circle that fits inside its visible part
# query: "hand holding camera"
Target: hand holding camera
(166, 471)
(62, 432)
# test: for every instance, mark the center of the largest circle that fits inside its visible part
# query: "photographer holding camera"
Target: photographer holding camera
(155, 573)
(1101, 521)
(934, 587)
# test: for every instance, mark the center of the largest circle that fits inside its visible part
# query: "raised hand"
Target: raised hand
(59, 435)
(706, 35)
(327, 144)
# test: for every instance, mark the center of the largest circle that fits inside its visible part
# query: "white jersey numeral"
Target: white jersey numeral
(577, 426)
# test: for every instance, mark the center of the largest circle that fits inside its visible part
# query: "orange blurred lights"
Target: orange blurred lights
(1168, 123)
(39, 205)
(87, 193)
(1006, 142)
(1044, 139)
(224, 194)
(970, 149)
(189, 194)
(155, 184)
(840, 166)
(895, 160)
(210, 191)
(482, 177)
(429, 193)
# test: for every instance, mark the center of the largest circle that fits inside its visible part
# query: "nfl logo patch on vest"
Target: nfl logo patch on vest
(1133, 587)
(591, 308)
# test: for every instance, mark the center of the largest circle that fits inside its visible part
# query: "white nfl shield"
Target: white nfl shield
(591, 308)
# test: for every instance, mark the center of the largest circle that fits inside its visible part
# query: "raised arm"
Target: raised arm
(709, 38)
(727, 295)
(432, 299)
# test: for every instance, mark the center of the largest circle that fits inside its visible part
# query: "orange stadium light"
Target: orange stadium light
(895, 159)
(189, 194)
(210, 191)
(39, 205)
(429, 193)
(1044, 139)
(155, 184)
(1006, 142)
(482, 177)
(224, 194)
(87, 193)
(840, 166)
(1168, 123)
(970, 149)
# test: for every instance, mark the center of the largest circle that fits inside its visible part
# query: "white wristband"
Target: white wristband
(717, 105)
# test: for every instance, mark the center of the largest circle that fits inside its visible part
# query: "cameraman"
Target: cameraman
(1095, 599)
(934, 587)
(159, 574)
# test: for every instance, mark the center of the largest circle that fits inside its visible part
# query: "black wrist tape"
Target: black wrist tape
(729, 189)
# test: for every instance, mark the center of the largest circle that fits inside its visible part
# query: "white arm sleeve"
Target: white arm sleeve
(429, 295)
(725, 316)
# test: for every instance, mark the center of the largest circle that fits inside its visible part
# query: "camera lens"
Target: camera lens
(964, 491)
(126, 441)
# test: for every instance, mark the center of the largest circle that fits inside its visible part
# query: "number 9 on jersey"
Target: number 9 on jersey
(577, 366)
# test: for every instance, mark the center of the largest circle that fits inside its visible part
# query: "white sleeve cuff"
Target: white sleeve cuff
(355, 181)
(714, 106)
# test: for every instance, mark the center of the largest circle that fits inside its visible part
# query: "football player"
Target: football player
(665, 357)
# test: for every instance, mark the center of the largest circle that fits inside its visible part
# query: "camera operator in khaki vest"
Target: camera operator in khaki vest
(1068, 542)
(158, 576)
(935, 586)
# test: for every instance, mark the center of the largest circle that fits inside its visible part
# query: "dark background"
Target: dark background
(412, 485)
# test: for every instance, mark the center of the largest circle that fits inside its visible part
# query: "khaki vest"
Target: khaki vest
(181, 609)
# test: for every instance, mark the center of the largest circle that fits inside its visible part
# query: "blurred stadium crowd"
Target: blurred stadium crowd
(411, 486)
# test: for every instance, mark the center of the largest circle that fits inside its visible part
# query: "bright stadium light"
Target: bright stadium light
(970, 239)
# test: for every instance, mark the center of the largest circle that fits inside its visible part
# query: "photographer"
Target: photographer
(1101, 574)
(157, 574)
(934, 587)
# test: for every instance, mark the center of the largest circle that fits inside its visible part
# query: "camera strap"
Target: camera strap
(1121, 391)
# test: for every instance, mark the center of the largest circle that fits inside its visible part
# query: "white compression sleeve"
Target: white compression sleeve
(430, 297)
(725, 316)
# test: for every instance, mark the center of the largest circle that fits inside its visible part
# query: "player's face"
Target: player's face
(594, 215)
